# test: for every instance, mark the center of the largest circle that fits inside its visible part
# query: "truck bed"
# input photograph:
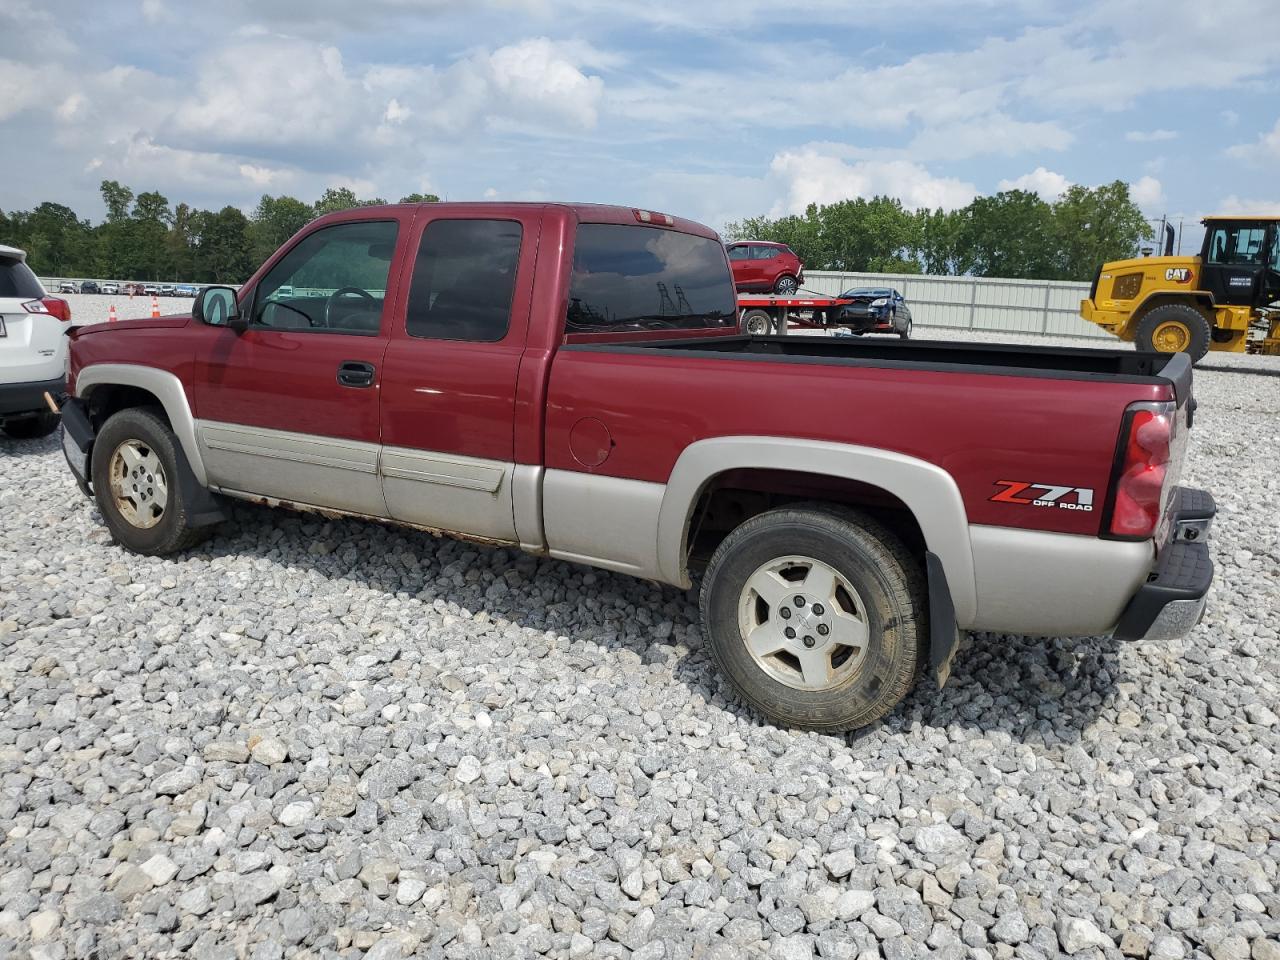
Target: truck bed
(1069, 363)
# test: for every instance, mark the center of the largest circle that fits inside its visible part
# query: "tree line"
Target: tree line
(143, 237)
(1013, 233)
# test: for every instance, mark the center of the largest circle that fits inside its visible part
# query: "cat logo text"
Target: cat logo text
(1044, 495)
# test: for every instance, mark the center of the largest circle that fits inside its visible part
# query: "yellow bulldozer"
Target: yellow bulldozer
(1228, 298)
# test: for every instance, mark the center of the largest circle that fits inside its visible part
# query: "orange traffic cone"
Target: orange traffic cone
(155, 307)
(111, 314)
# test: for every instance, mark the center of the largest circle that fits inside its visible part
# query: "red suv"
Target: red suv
(759, 265)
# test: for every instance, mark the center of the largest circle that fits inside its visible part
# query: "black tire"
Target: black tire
(904, 332)
(785, 284)
(757, 323)
(172, 532)
(33, 427)
(1183, 317)
(887, 579)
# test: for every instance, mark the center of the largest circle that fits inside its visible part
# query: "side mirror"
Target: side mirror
(218, 307)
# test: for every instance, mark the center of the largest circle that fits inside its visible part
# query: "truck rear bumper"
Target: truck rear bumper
(1173, 599)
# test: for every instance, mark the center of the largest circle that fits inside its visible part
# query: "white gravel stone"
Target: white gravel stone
(297, 813)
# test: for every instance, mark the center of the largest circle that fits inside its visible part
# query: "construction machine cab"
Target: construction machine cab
(1240, 260)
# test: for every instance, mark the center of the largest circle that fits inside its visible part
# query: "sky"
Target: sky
(707, 109)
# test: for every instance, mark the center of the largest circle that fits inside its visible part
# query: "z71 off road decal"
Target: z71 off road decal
(1044, 495)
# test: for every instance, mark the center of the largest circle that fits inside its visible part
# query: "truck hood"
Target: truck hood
(153, 323)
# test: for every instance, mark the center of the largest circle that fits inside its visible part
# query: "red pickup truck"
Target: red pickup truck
(571, 380)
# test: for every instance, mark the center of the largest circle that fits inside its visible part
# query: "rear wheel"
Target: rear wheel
(815, 613)
(1174, 328)
(757, 323)
(135, 482)
(33, 427)
(786, 284)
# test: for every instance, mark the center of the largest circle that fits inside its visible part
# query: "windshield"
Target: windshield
(641, 278)
(867, 292)
(17, 280)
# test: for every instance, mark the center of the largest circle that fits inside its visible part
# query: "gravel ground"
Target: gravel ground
(324, 739)
(89, 308)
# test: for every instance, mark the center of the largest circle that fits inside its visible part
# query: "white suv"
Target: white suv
(33, 349)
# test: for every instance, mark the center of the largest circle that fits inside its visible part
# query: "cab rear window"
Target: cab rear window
(17, 280)
(629, 278)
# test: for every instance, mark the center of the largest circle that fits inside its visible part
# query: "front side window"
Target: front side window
(1234, 244)
(463, 280)
(739, 253)
(334, 280)
(629, 278)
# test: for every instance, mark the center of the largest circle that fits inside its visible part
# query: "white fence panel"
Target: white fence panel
(1047, 307)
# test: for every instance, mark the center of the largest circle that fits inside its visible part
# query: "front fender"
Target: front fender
(161, 384)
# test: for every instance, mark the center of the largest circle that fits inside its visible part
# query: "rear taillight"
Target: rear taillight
(1142, 468)
(54, 306)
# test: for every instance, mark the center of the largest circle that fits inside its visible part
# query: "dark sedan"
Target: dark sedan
(874, 310)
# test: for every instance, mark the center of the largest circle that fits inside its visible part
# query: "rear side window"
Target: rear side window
(463, 280)
(629, 278)
(764, 253)
(17, 280)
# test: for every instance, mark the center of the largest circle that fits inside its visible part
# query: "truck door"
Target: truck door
(449, 384)
(1234, 262)
(289, 407)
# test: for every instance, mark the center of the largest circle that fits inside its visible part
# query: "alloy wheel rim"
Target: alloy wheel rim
(786, 285)
(1171, 336)
(139, 485)
(803, 623)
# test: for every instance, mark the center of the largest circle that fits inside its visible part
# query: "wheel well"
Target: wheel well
(1201, 301)
(109, 398)
(735, 496)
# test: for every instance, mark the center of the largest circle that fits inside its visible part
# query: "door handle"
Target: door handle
(355, 373)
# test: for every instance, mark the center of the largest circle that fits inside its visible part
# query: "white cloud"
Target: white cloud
(1048, 184)
(994, 134)
(1233, 206)
(814, 175)
(536, 73)
(72, 106)
(1150, 136)
(154, 11)
(1265, 148)
(395, 113)
(1147, 192)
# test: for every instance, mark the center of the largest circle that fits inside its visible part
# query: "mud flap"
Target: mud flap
(944, 635)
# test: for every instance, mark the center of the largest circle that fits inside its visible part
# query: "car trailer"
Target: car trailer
(765, 314)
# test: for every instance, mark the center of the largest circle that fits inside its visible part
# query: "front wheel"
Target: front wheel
(135, 482)
(33, 427)
(1175, 328)
(815, 613)
(904, 329)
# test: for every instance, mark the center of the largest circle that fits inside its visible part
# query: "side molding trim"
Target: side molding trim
(929, 492)
(168, 390)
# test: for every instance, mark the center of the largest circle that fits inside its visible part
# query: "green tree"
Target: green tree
(1010, 234)
(1094, 225)
(274, 221)
(420, 198)
(56, 241)
(223, 249)
(937, 241)
(179, 244)
(117, 198)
